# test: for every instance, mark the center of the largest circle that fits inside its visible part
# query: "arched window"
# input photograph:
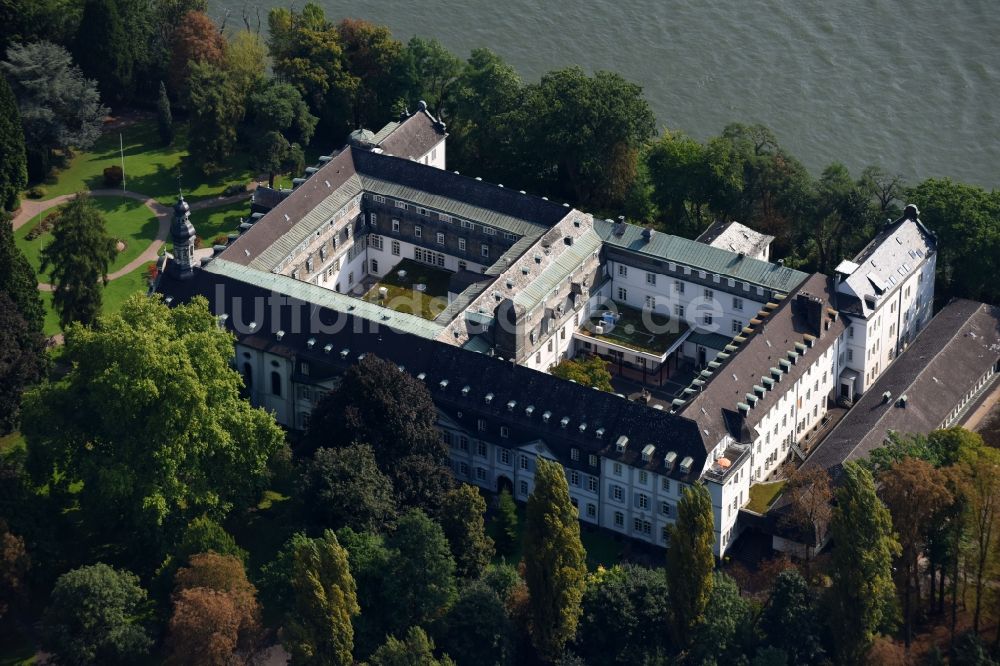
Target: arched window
(248, 376)
(276, 384)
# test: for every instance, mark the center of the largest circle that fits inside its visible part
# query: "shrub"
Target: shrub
(36, 192)
(221, 239)
(44, 226)
(151, 270)
(113, 176)
(235, 188)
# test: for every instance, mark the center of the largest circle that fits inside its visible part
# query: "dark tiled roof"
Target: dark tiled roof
(414, 137)
(483, 374)
(943, 364)
(715, 407)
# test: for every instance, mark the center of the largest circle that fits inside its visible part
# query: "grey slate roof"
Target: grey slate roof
(338, 330)
(734, 237)
(715, 407)
(901, 244)
(412, 138)
(944, 362)
(700, 256)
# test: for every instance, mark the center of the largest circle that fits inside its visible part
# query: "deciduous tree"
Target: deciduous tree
(60, 109)
(625, 615)
(861, 599)
(506, 522)
(416, 649)
(14, 167)
(14, 566)
(195, 40)
(94, 617)
(555, 561)
(724, 632)
(320, 631)
(810, 497)
(375, 68)
(588, 371)
(792, 604)
(204, 629)
(980, 473)
(433, 71)
(476, 629)
(421, 580)
(690, 561)
(77, 260)
(150, 420)
(461, 518)
(345, 487)
(216, 111)
(916, 494)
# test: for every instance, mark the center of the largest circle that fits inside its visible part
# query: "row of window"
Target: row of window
(465, 224)
(679, 285)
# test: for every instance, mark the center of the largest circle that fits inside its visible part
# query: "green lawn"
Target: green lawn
(11, 442)
(762, 496)
(127, 220)
(219, 221)
(150, 167)
(601, 546)
(403, 295)
(114, 295)
(640, 330)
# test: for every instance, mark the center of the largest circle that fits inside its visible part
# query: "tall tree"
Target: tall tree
(625, 612)
(392, 411)
(216, 111)
(980, 472)
(196, 40)
(916, 494)
(21, 361)
(421, 581)
(94, 617)
(690, 561)
(375, 68)
(370, 560)
(14, 167)
(246, 61)
(102, 50)
(60, 109)
(486, 96)
(969, 217)
(320, 630)
(809, 510)
(462, 520)
(150, 420)
(416, 649)
(476, 629)
(346, 487)
(164, 117)
(862, 596)
(433, 71)
(791, 604)
(588, 131)
(506, 524)
(14, 565)
(683, 182)
(79, 256)
(18, 279)
(555, 566)
(306, 51)
(278, 122)
(723, 635)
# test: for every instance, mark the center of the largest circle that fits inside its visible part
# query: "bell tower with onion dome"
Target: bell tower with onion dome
(182, 234)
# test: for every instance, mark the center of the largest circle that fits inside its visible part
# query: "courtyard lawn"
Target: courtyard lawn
(215, 222)
(127, 220)
(114, 295)
(639, 330)
(150, 167)
(762, 496)
(402, 293)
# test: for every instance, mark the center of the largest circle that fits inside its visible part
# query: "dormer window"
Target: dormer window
(489, 398)
(443, 384)
(600, 433)
(574, 454)
(529, 410)
(511, 405)
(564, 421)
(546, 416)
(621, 444)
(465, 391)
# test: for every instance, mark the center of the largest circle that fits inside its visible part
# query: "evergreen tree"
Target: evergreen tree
(690, 561)
(14, 166)
(103, 51)
(21, 361)
(862, 597)
(79, 255)
(18, 279)
(462, 520)
(506, 522)
(319, 631)
(164, 118)
(555, 561)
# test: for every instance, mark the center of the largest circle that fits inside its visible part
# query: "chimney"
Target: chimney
(647, 234)
(911, 213)
(811, 308)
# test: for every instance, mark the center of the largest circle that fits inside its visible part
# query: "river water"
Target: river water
(911, 85)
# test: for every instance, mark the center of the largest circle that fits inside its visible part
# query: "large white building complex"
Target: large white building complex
(478, 290)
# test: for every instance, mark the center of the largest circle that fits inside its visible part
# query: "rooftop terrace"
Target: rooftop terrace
(641, 330)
